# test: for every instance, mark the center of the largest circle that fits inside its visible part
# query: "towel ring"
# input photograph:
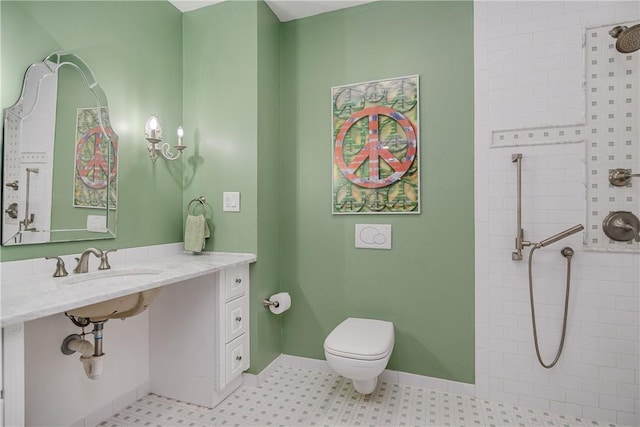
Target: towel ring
(203, 203)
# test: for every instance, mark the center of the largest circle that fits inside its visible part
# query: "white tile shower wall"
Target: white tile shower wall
(529, 66)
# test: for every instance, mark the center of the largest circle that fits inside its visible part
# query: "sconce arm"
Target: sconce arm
(156, 149)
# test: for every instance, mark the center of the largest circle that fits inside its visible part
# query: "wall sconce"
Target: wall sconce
(153, 133)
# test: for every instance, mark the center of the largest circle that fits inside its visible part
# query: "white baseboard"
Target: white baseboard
(306, 363)
(395, 377)
(256, 380)
(116, 405)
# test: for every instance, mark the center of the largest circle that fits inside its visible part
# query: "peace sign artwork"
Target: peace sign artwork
(375, 147)
(96, 166)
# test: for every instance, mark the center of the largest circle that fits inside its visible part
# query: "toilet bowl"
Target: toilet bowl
(359, 349)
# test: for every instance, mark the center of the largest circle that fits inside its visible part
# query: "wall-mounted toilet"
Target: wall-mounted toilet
(359, 349)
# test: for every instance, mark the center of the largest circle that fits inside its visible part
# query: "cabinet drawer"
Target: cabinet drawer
(236, 282)
(236, 318)
(236, 357)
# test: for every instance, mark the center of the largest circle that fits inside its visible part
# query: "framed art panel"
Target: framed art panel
(376, 147)
(96, 166)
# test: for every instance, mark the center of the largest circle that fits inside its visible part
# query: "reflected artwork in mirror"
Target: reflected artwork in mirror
(60, 169)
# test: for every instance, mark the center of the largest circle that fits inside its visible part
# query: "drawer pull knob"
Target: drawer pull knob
(238, 280)
(238, 358)
(238, 319)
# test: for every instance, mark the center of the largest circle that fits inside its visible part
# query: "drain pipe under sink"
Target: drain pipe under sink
(91, 356)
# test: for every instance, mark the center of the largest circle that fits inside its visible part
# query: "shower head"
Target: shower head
(628, 38)
(566, 233)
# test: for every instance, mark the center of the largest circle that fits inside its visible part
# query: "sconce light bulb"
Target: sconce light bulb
(180, 135)
(153, 123)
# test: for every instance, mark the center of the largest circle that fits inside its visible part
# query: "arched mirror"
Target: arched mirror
(60, 170)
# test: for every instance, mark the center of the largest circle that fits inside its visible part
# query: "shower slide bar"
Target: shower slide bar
(520, 242)
(29, 218)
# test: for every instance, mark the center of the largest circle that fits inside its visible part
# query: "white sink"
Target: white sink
(116, 308)
(105, 277)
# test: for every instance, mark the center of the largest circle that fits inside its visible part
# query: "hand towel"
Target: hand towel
(195, 230)
(207, 232)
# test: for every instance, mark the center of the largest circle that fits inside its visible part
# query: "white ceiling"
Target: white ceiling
(285, 10)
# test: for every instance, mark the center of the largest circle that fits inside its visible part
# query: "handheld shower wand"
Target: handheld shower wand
(563, 234)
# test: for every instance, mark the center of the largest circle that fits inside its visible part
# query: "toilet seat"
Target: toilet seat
(361, 339)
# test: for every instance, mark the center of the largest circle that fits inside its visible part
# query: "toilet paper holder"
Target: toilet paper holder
(266, 303)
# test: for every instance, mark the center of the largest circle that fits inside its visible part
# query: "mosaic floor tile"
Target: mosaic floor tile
(298, 397)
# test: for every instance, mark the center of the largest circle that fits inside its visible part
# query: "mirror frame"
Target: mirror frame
(41, 85)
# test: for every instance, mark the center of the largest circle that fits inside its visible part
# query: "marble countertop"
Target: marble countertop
(29, 298)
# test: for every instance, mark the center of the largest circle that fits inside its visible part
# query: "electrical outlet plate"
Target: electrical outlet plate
(373, 236)
(97, 223)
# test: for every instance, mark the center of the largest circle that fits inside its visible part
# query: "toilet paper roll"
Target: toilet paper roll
(284, 302)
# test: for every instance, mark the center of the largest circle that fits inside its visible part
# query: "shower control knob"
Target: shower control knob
(622, 226)
(12, 210)
(621, 177)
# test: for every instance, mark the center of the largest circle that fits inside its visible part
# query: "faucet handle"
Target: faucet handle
(104, 260)
(634, 229)
(60, 270)
(621, 177)
(622, 226)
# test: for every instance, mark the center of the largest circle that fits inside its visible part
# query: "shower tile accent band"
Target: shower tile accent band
(537, 136)
(610, 133)
(612, 96)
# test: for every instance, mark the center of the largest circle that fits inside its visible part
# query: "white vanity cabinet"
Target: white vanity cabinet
(12, 400)
(193, 345)
(235, 325)
(1, 384)
(199, 337)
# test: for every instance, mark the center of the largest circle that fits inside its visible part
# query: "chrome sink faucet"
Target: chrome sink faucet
(83, 261)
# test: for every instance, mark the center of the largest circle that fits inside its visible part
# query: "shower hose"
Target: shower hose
(567, 253)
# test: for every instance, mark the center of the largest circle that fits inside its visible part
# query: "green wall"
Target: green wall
(220, 111)
(138, 63)
(425, 283)
(231, 93)
(266, 329)
(253, 96)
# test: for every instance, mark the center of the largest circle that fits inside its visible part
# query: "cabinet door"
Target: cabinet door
(236, 282)
(1, 384)
(13, 379)
(236, 318)
(237, 357)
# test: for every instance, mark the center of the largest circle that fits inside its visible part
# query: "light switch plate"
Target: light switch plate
(373, 236)
(231, 201)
